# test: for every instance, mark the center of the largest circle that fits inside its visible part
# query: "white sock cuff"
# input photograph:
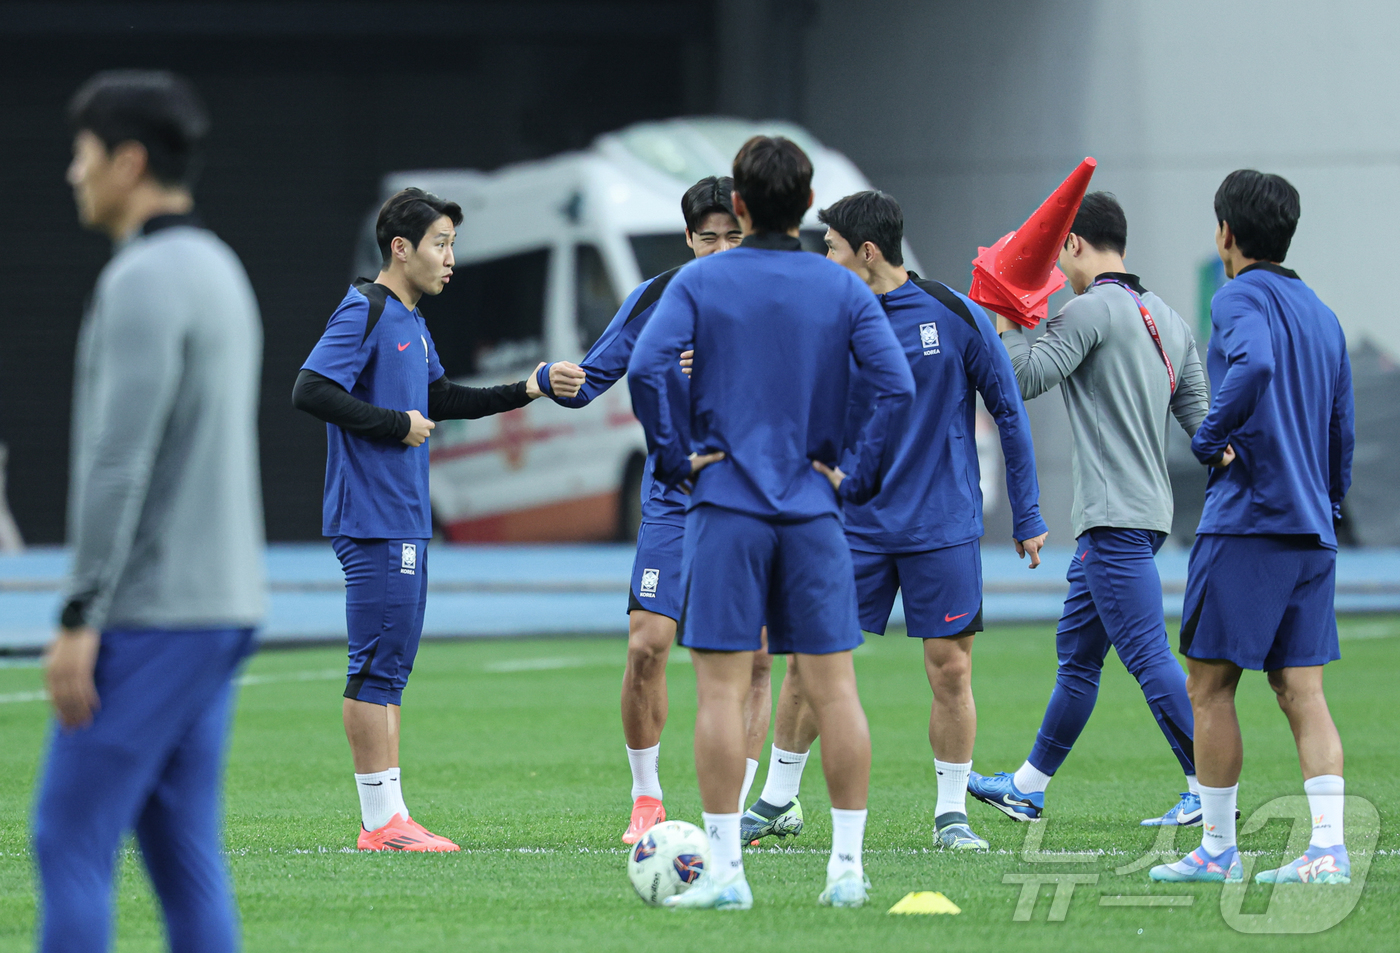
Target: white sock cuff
(646, 765)
(1325, 784)
(840, 814)
(1029, 779)
(726, 852)
(378, 802)
(784, 776)
(1193, 785)
(1218, 792)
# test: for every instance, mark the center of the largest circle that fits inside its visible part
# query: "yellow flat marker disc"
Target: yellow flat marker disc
(925, 901)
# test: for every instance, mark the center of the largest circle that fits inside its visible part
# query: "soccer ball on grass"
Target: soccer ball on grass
(667, 860)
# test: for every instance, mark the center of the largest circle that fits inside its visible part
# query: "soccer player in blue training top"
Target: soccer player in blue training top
(920, 535)
(363, 378)
(165, 520)
(1262, 576)
(654, 602)
(1126, 364)
(773, 330)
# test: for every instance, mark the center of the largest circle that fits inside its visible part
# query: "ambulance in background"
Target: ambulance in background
(546, 253)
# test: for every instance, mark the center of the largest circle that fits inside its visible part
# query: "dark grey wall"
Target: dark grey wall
(311, 104)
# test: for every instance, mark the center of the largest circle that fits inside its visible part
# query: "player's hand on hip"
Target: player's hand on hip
(698, 462)
(1227, 457)
(834, 474)
(687, 361)
(1031, 546)
(565, 379)
(418, 429)
(68, 668)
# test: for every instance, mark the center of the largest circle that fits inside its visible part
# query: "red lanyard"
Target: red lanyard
(1151, 327)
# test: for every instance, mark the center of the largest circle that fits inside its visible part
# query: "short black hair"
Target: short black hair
(1100, 222)
(871, 216)
(409, 213)
(713, 193)
(1262, 211)
(775, 178)
(158, 109)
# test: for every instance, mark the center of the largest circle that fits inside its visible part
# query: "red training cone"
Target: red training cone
(1017, 275)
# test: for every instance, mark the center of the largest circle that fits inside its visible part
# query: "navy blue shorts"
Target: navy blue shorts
(741, 569)
(1262, 602)
(657, 583)
(942, 590)
(386, 591)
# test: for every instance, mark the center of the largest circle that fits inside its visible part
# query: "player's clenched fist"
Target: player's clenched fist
(565, 378)
(418, 429)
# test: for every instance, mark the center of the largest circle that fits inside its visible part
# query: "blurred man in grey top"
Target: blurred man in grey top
(165, 521)
(1127, 364)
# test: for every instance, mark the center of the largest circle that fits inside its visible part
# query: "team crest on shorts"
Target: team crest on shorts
(928, 337)
(409, 565)
(650, 577)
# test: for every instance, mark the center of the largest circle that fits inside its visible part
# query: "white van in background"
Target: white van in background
(546, 253)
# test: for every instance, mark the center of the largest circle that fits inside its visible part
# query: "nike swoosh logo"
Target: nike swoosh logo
(781, 761)
(403, 347)
(371, 784)
(954, 618)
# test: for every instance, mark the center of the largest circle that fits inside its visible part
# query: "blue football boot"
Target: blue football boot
(1184, 813)
(1320, 865)
(1000, 792)
(1200, 867)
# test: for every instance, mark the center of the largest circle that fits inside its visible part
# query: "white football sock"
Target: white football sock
(396, 785)
(750, 769)
(1325, 799)
(646, 762)
(784, 776)
(952, 787)
(377, 802)
(1029, 779)
(726, 859)
(1218, 818)
(847, 840)
(1193, 785)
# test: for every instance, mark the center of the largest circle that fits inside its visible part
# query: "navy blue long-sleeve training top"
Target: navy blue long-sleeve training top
(774, 329)
(933, 495)
(1282, 398)
(606, 362)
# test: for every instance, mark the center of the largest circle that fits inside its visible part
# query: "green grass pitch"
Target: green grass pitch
(514, 749)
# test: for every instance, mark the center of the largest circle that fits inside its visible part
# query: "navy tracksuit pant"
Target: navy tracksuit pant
(1115, 599)
(150, 761)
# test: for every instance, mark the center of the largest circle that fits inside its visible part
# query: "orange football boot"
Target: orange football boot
(400, 834)
(646, 812)
(450, 845)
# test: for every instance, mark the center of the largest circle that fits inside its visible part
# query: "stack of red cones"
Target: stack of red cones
(1017, 275)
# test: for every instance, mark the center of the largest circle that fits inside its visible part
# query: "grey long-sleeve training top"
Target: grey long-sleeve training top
(165, 507)
(1120, 404)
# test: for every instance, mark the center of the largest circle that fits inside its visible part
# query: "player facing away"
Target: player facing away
(773, 330)
(1126, 364)
(166, 524)
(1262, 575)
(370, 377)
(920, 535)
(654, 600)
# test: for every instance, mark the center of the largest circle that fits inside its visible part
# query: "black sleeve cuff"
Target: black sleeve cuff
(74, 614)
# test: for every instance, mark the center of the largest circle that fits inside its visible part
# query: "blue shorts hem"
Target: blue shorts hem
(373, 694)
